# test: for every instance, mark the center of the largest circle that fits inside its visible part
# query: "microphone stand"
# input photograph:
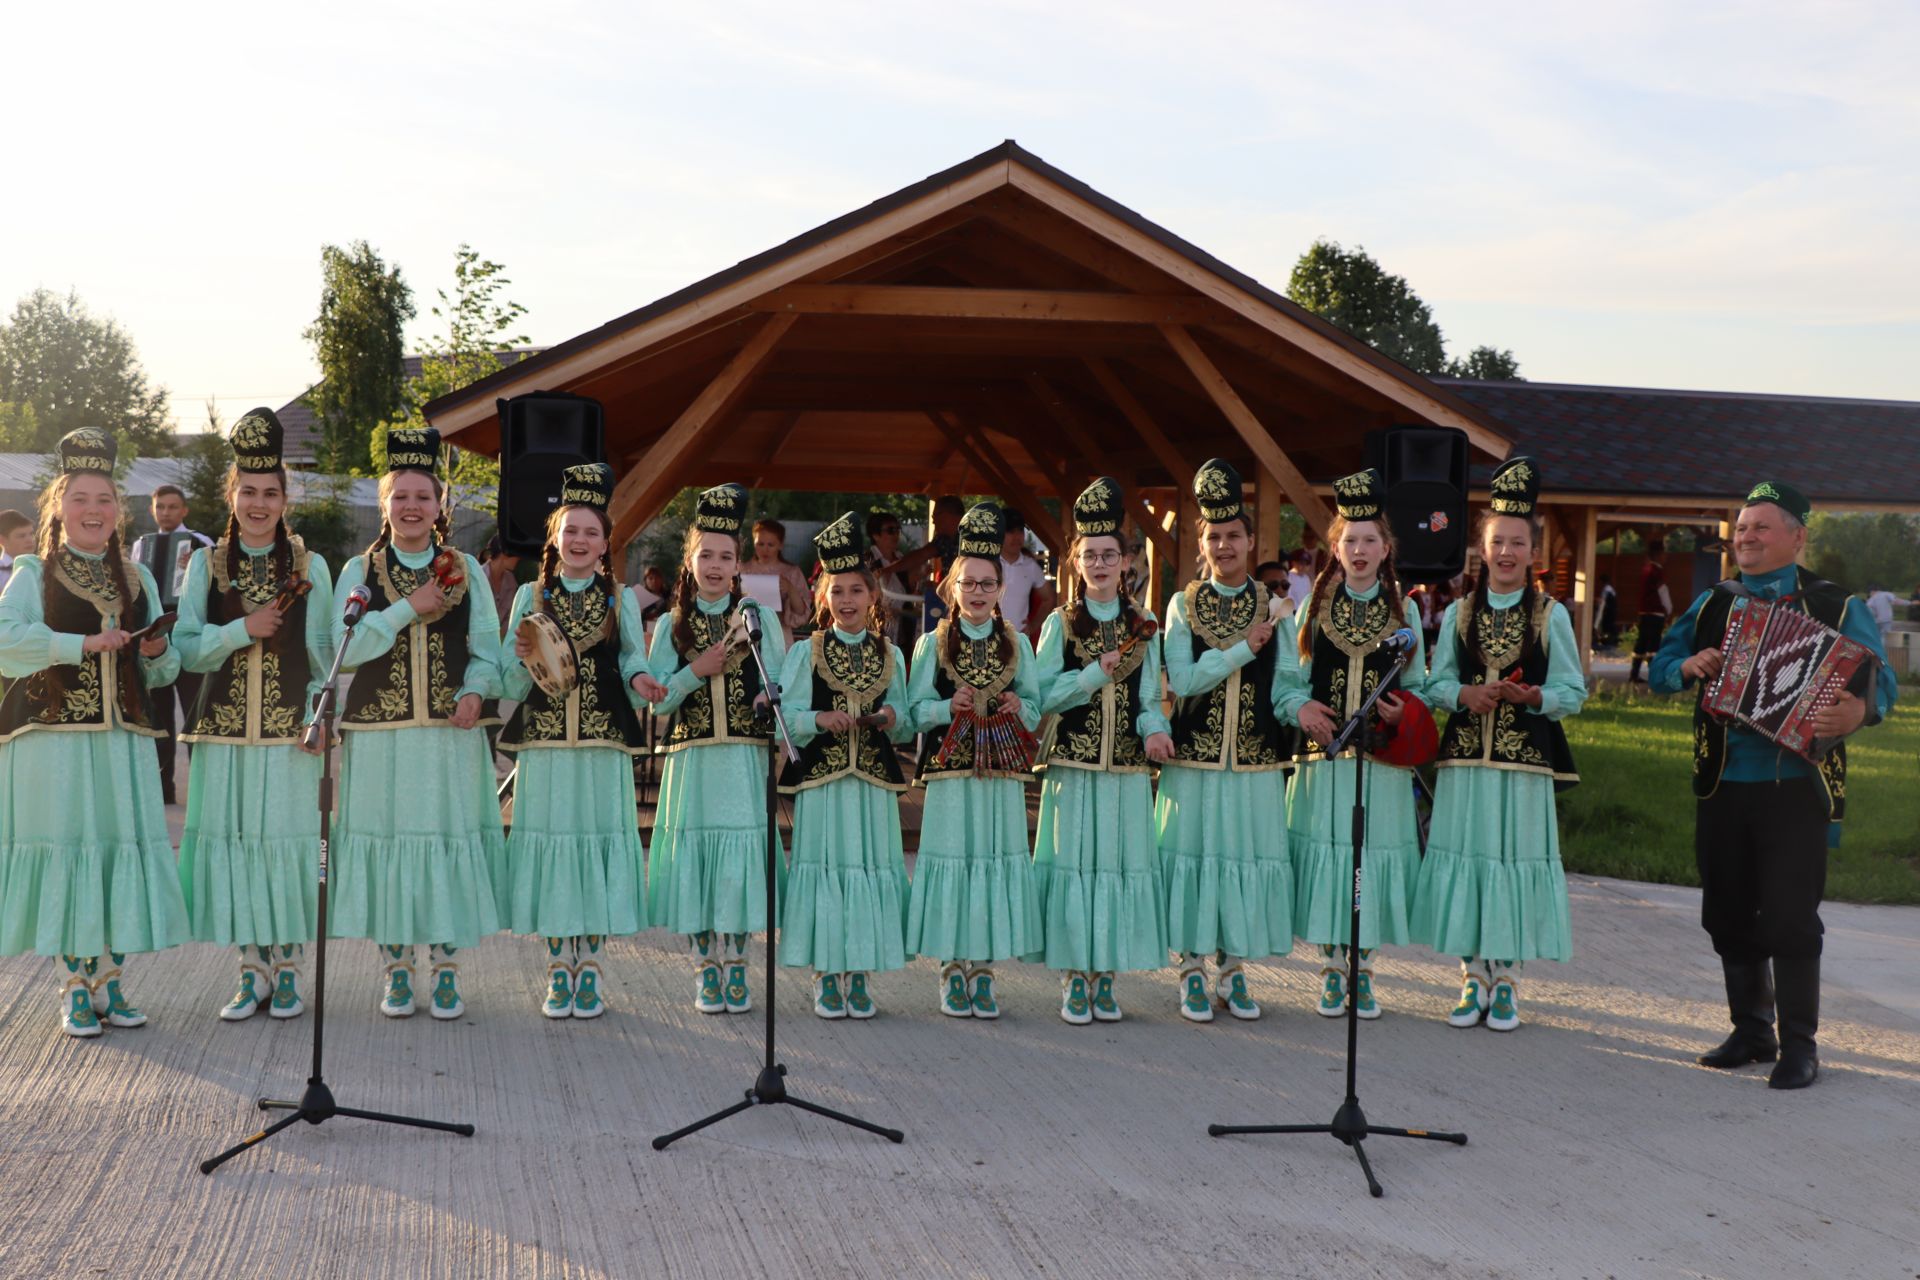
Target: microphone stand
(770, 1087)
(316, 1105)
(1350, 1123)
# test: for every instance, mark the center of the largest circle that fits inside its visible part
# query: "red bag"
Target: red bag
(1415, 741)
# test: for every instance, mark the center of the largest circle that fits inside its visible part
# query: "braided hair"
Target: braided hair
(442, 522)
(1079, 619)
(550, 564)
(685, 588)
(1529, 594)
(282, 552)
(1334, 574)
(950, 592)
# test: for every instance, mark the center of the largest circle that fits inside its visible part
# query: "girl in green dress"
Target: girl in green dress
(86, 868)
(1492, 890)
(845, 697)
(1343, 656)
(249, 854)
(419, 843)
(1228, 653)
(1102, 899)
(707, 874)
(973, 901)
(575, 866)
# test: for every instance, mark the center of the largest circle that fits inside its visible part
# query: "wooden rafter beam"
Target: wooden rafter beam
(656, 477)
(1069, 421)
(1256, 436)
(1178, 468)
(781, 434)
(983, 456)
(942, 303)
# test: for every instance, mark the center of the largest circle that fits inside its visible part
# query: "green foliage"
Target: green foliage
(477, 342)
(19, 428)
(1487, 364)
(358, 341)
(75, 370)
(1352, 291)
(1632, 814)
(660, 542)
(1858, 551)
(324, 522)
(204, 478)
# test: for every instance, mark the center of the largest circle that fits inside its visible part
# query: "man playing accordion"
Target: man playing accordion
(1764, 812)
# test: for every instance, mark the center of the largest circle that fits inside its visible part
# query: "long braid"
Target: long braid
(232, 536)
(1332, 574)
(549, 576)
(282, 550)
(132, 682)
(683, 591)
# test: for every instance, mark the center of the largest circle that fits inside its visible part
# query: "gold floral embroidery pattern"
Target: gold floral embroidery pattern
(277, 719)
(392, 702)
(79, 704)
(90, 580)
(978, 664)
(1355, 626)
(441, 697)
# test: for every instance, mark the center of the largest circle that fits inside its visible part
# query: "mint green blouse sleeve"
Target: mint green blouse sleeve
(1413, 677)
(633, 646)
(320, 649)
(1286, 668)
(1565, 690)
(796, 694)
(666, 665)
(377, 630)
(204, 645)
(1026, 684)
(164, 669)
(1061, 690)
(1151, 719)
(483, 637)
(1187, 675)
(926, 709)
(1444, 679)
(27, 643)
(896, 697)
(515, 680)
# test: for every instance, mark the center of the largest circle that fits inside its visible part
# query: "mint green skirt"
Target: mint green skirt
(1319, 833)
(1492, 887)
(973, 892)
(250, 853)
(86, 866)
(845, 909)
(419, 841)
(1102, 899)
(1223, 853)
(575, 865)
(707, 869)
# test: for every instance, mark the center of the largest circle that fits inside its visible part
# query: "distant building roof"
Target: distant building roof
(303, 431)
(1707, 444)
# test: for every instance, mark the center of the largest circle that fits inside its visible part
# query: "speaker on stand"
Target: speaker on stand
(542, 433)
(1425, 470)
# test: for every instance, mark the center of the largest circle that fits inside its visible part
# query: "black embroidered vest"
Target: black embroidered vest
(733, 688)
(1232, 725)
(977, 665)
(852, 678)
(259, 694)
(1103, 733)
(1349, 659)
(597, 711)
(105, 690)
(1510, 736)
(416, 682)
(1827, 603)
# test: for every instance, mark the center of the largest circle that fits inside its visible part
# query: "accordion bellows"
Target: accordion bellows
(1781, 668)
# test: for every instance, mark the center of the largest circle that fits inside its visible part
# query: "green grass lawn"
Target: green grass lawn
(1632, 814)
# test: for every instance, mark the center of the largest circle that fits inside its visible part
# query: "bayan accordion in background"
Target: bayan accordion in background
(165, 556)
(1780, 668)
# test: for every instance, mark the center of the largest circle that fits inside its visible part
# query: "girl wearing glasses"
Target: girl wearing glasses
(1229, 882)
(846, 903)
(1101, 896)
(1356, 604)
(973, 902)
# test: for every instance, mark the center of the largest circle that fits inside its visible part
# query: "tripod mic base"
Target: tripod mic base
(1349, 1126)
(770, 1088)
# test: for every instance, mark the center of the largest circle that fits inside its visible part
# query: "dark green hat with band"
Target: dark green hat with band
(87, 449)
(1099, 510)
(982, 530)
(256, 441)
(843, 544)
(1219, 490)
(413, 449)
(1515, 490)
(1360, 496)
(1783, 496)
(721, 509)
(587, 485)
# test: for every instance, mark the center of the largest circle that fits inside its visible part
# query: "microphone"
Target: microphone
(1401, 641)
(356, 607)
(752, 612)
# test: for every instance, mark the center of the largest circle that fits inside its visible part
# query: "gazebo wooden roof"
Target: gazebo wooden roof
(998, 327)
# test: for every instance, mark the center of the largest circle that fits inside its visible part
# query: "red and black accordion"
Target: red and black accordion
(1780, 669)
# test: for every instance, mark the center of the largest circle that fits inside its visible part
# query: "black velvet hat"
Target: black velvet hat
(843, 544)
(257, 440)
(1098, 510)
(1360, 496)
(1220, 491)
(87, 449)
(1516, 487)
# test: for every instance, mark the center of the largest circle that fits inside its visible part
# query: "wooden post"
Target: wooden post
(657, 476)
(1256, 436)
(1268, 497)
(1587, 586)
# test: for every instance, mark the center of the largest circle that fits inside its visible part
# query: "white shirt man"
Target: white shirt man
(1023, 577)
(169, 516)
(1880, 603)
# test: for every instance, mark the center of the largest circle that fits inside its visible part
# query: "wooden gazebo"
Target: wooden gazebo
(999, 327)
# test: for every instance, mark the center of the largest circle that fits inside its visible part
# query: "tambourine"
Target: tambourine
(553, 664)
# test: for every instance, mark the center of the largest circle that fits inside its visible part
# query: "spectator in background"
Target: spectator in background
(898, 584)
(1880, 603)
(1027, 599)
(1300, 578)
(1607, 625)
(1273, 576)
(796, 600)
(1656, 606)
(171, 701)
(16, 539)
(500, 569)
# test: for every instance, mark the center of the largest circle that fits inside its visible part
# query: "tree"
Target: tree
(358, 340)
(1352, 291)
(203, 478)
(1862, 551)
(19, 428)
(478, 341)
(1487, 364)
(76, 370)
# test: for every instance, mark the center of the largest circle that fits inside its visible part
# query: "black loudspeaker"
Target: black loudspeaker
(1425, 469)
(542, 433)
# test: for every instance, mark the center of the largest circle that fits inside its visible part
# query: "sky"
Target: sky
(1712, 196)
